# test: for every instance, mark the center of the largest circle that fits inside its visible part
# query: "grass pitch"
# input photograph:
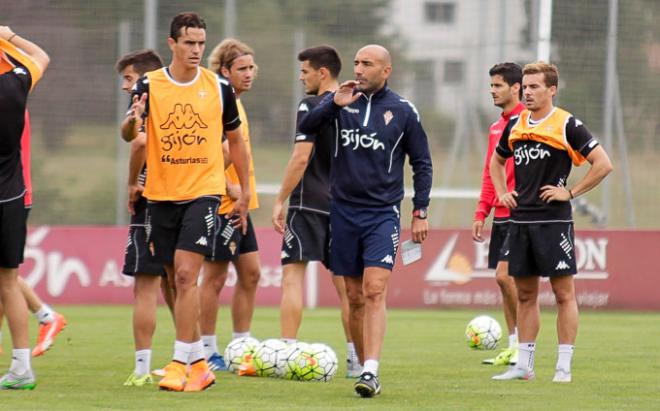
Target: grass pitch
(426, 365)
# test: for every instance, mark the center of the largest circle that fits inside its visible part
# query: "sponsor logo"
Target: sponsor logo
(284, 254)
(561, 265)
(303, 107)
(353, 138)
(578, 123)
(203, 93)
(177, 161)
(351, 110)
(387, 259)
(20, 71)
(388, 116)
(202, 241)
(182, 127)
(526, 154)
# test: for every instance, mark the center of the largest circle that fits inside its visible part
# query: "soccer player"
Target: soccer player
(506, 90)
(234, 61)
(307, 183)
(543, 141)
(30, 63)
(148, 275)
(376, 130)
(186, 109)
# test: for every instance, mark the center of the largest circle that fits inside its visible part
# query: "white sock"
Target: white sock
(565, 356)
(45, 314)
(210, 345)
(513, 340)
(350, 352)
(142, 362)
(235, 335)
(182, 351)
(20, 360)
(526, 355)
(289, 340)
(371, 366)
(196, 352)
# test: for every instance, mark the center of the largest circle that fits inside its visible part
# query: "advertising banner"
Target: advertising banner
(82, 265)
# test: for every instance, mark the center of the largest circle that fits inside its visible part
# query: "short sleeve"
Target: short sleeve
(503, 148)
(230, 117)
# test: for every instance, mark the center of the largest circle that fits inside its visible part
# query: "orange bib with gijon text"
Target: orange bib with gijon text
(184, 137)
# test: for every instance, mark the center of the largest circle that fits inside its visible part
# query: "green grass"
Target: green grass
(426, 365)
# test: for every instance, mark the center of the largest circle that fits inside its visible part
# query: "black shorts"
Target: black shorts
(188, 226)
(13, 232)
(229, 243)
(541, 249)
(137, 256)
(306, 238)
(498, 249)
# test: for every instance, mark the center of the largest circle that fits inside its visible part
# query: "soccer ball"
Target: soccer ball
(266, 357)
(483, 333)
(239, 351)
(319, 363)
(287, 364)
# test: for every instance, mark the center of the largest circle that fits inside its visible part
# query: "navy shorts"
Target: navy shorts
(229, 243)
(541, 250)
(13, 232)
(188, 226)
(362, 237)
(306, 238)
(498, 249)
(137, 256)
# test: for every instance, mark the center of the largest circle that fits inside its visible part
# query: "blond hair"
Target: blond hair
(549, 71)
(225, 53)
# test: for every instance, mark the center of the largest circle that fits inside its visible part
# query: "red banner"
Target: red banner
(82, 265)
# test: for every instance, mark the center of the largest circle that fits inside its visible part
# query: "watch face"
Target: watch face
(421, 213)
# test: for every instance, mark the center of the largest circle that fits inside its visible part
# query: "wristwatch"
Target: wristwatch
(420, 213)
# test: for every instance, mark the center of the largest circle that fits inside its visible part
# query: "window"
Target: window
(439, 12)
(424, 86)
(453, 73)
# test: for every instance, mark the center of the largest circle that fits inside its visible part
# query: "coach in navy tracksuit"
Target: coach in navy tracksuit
(376, 129)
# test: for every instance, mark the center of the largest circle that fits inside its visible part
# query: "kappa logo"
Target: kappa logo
(183, 117)
(20, 71)
(303, 107)
(562, 265)
(388, 116)
(284, 255)
(202, 241)
(387, 259)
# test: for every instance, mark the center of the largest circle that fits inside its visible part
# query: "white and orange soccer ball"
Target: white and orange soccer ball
(483, 333)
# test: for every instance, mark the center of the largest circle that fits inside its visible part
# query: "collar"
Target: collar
(516, 110)
(379, 94)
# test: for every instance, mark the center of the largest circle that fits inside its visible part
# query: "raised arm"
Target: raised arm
(35, 52)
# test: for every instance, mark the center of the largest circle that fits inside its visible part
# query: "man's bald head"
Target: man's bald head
(378, 52)
(372, 67)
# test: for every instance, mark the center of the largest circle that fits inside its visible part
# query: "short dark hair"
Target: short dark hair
(185, 20)
(141, 60)
(322, 56)
(511, 73)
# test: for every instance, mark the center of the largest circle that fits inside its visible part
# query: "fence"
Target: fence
(608, 53)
